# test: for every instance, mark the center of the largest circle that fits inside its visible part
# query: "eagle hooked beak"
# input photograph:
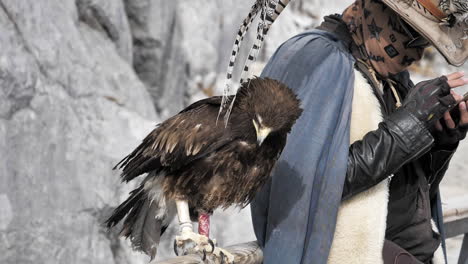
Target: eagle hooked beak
(262, 132)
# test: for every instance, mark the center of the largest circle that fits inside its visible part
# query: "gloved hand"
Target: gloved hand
(401, 138)
(454, 126)
(429, 100)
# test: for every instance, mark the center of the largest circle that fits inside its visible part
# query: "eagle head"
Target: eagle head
(269, 105)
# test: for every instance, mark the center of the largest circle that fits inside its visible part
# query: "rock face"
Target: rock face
(71, 105)
(177, 42)
(81, 83)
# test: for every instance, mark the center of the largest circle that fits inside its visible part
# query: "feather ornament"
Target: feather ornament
(269, 10)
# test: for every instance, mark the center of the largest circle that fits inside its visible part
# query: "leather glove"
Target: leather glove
(450, 137)
(452, 130)
(429, 100)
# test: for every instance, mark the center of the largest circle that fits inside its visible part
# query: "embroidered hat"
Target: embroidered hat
(443, 22)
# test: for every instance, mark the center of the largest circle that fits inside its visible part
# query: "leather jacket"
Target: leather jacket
(401, 149)
(400, 140)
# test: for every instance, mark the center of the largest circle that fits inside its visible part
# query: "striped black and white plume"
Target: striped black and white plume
(268, 11)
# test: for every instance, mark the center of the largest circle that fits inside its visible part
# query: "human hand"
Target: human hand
(454, 125)
(429, 100)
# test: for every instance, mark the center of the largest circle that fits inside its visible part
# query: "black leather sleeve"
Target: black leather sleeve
(400, 139)
(439, 163)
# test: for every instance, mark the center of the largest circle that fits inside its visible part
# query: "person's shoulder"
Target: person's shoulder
(315, 55)
(311, 59)
(317, 41)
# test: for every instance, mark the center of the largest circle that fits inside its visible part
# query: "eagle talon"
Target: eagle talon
(190, 242)
(221, 255)
(224, 256)
(175, 247)
(212, 245)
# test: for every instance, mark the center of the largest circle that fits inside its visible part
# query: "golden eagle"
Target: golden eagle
(198, 165)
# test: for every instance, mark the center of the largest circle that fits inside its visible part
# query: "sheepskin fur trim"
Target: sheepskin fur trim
(361, 223)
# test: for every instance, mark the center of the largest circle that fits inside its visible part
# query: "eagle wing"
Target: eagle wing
(183, 138)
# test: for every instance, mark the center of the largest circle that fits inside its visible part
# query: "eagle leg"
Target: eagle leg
(204, 224)
(204, 229)
(189, 242)
(183, 214)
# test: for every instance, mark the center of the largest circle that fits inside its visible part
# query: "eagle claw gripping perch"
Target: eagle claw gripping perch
(190, 242)
(193, 243)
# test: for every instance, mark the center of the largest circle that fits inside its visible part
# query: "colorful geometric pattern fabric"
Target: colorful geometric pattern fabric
(384, 40)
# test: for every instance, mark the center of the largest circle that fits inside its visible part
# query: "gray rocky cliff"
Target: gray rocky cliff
(179, 44)
(71, 105)
(81, 83)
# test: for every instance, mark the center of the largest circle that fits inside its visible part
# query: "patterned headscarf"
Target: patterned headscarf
(384, 40)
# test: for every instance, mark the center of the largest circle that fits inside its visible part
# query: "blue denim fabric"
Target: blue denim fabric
(294, 215)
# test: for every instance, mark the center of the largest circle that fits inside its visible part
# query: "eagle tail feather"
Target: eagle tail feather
(125, 208)
(147, 229)
(146, 218)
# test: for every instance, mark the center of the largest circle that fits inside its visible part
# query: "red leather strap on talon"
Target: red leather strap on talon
(204, 224)
(432, 8)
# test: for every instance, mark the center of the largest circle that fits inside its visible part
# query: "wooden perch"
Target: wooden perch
(248, 253)
(455, 222)
(455, 211)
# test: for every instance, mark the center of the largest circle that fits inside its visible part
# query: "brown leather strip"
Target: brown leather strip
(433, 9)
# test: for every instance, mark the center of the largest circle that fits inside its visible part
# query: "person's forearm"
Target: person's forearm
(400, 139)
